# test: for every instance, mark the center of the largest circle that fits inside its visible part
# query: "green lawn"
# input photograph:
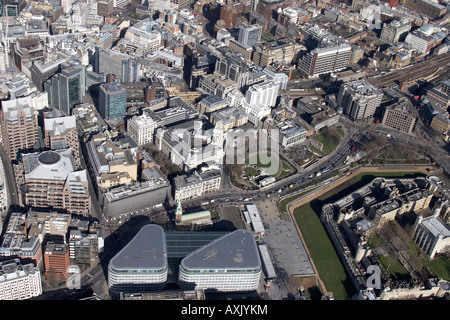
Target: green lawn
(251, 171)
(393, 267)
(440, 267)
(323, 254)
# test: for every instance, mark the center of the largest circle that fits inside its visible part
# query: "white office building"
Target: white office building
(142, 128)
(142, 264)
(228, 264)
(359, 99)
(199, 183)
(19, 282)
(326, 60)
(265, 93)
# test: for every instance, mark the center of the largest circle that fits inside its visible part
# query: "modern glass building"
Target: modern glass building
(67, 88)
(209, 261)
(112, 100)
(142, 264)
(229, 263)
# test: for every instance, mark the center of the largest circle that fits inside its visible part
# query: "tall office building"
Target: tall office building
(19, 282)
(265, 94)
(249, 34)
(40, 71)
(392, 31)
(112, 100)
(56, 260)
(49, 180)
(232, 67)
(19, 126)
(359, 99)
(326, 60)
(61, 133)
(67, 88)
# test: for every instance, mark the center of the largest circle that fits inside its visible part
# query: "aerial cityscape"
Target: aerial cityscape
(193, 150)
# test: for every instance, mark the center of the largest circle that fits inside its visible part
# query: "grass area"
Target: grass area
(285, 171)
(440, 267)
(322, 251)
(283, 203)
(330, 139)
(393, 267)
(251, 171)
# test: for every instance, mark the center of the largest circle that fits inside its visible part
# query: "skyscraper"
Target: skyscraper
(359, 99)
(67, 88)
(19, 125)
(249, 35)
(112, 100)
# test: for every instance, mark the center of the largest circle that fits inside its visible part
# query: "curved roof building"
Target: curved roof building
(229, 263)
(142, 264)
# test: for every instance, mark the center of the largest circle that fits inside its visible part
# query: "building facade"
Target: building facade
(230, 263)
(19, 125)
(126, 273)
(325, 60)
(112, 100)
(431, 235)
(19, 282)
(359, 99)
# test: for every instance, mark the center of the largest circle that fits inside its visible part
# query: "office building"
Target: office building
(113, 163)
(49, 180)
(105, 7)
(141, 128)
(19, 125)
(132, 197)
(197, 184)
(432, 9)
(249, 34)
(325, 60)
(440, 94)
(211, 103)
(359, 99)
(67, 88)
(431, 235)
(392, 31)
(142, 264)
(400, 118)
(61, 133)
(265, 94)
(232, 67)
(56, 260)
(41, 71)
(84, 247)
(112, 101)
(427, 37)
(229, 263)
(19, 282)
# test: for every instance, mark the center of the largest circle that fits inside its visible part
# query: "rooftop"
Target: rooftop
(147, 250)
(236, 250)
